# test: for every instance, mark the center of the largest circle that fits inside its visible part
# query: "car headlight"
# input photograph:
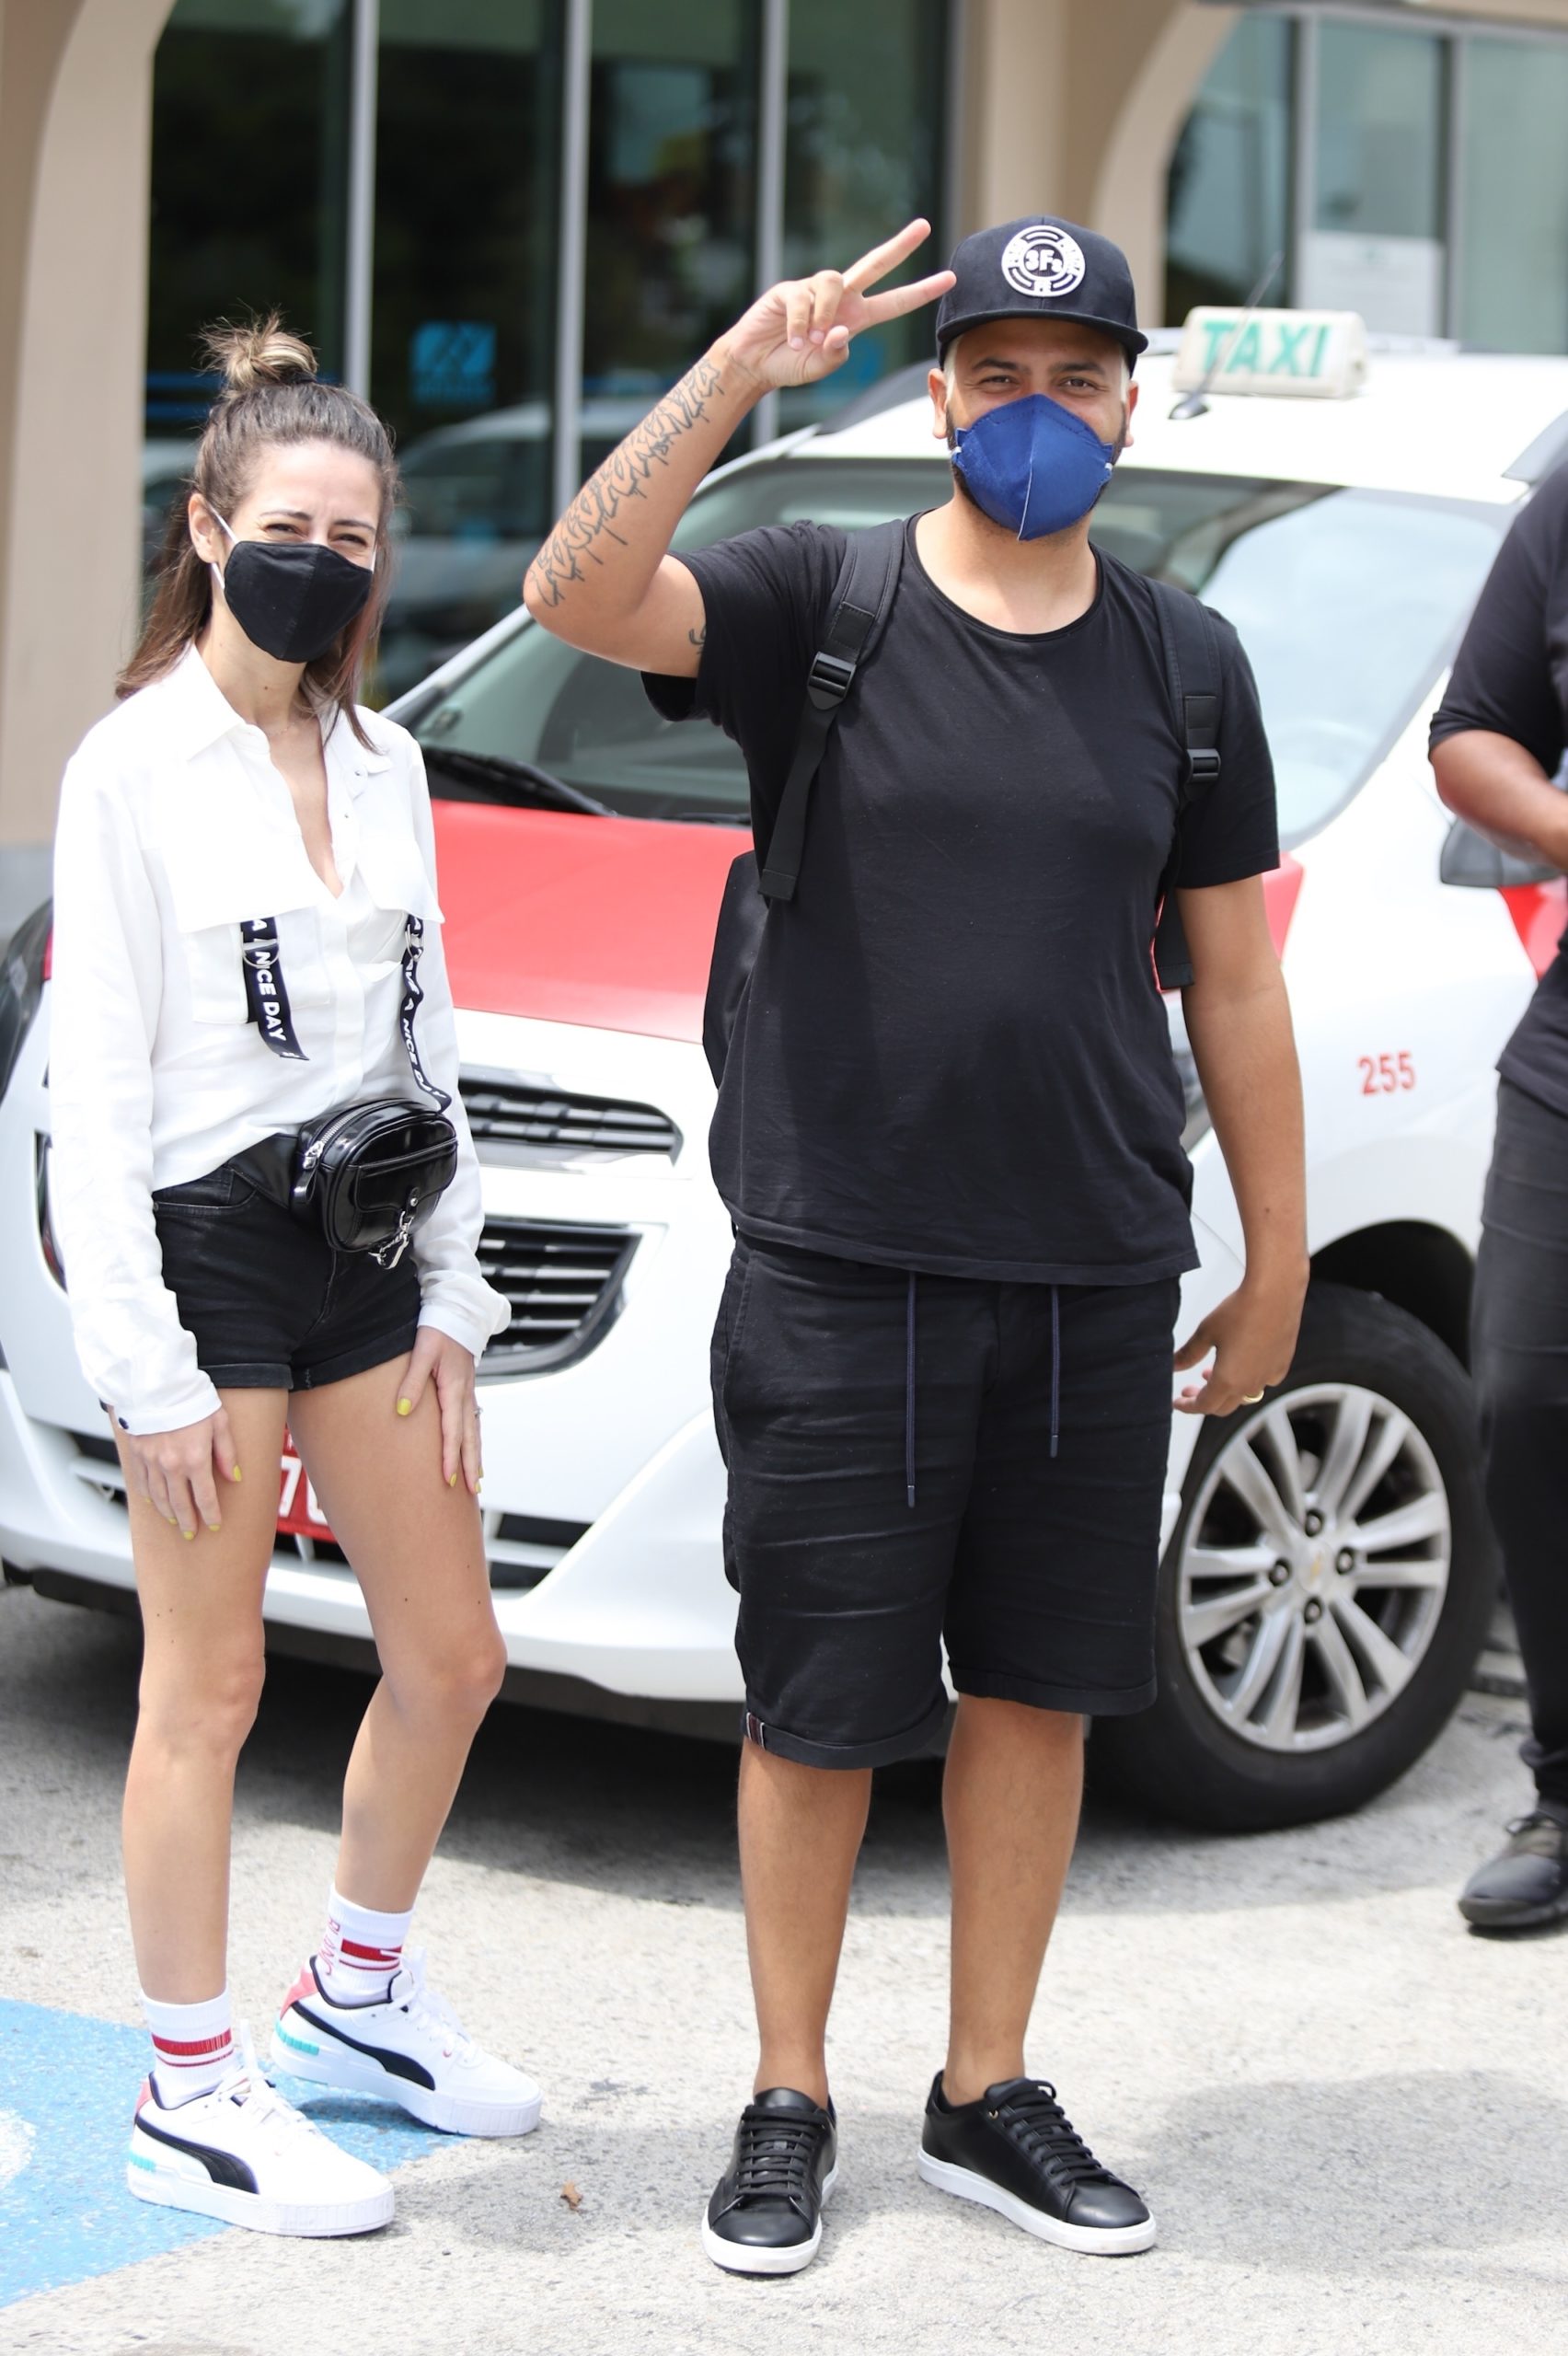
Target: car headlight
(22, 976)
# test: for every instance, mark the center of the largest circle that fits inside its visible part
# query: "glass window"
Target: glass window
(1374, 243)
(1348, 603)
(589, 723)
(672, 187)
(249, 133)
(462, 321)
(1513, 292)
(863, 154)
(1229, 186)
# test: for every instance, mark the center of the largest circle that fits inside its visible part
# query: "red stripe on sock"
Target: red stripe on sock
(367, 1956)
(197, 2049)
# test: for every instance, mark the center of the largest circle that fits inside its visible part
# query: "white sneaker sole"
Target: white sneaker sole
(168, 2185)
(1117, 2241)
(302, 2055)
(736, 2259)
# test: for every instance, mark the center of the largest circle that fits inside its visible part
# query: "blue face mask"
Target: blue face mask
(1032, 466)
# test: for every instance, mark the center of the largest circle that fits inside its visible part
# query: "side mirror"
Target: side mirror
(1472, 861)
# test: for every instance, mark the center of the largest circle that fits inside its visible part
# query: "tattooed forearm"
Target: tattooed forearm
(591, 518)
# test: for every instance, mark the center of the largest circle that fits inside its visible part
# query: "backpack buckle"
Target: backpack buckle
(1203, 764)
(829, 680)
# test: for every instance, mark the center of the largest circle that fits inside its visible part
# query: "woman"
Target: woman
(244, 888)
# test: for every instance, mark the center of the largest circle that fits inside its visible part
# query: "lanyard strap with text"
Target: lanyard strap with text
(266, 996)
(266, 993)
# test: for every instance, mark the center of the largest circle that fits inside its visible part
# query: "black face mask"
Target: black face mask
(291, 598)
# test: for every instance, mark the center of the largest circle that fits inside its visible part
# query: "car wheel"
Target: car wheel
(1328, 1586)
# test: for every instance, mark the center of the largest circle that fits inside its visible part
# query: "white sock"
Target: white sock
(360, 1952)
(192, 2047)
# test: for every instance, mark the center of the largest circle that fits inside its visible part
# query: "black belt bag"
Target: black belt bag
(366, 1175)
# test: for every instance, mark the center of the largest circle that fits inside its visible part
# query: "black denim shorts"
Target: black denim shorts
(929, 1462)
(271, 1304)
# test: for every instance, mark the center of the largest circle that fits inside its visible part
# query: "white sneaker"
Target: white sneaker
(243, 2154)
(412, 2048)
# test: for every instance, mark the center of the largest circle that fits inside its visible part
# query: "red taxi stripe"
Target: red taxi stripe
(603, 921)
(1539, 912)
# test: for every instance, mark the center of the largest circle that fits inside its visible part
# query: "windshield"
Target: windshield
(1348, 603)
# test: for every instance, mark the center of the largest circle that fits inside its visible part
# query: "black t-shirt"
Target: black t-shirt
(1510, 676)
(952, 1056)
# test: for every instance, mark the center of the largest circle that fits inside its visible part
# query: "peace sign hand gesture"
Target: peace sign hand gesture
(801, 330)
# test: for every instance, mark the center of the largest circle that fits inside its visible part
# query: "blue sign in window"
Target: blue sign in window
(452, 364)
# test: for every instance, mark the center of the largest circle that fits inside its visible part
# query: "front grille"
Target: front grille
(505, 1112)
(564, 1284)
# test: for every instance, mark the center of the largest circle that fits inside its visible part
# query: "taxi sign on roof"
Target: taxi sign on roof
(1320, 353)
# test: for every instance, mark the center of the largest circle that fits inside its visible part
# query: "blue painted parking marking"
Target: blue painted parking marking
(67, 2088)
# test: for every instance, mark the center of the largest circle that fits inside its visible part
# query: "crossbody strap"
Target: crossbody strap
(860, 600)
(267, 996)
(413, 996)
(1191, 652)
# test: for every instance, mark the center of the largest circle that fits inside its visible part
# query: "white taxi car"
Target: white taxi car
(1328, 1572)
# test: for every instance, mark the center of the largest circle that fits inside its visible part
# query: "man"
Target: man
(949, 1135)
(1497, 741)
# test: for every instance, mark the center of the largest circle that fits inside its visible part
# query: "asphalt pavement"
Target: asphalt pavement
(1349, 2114)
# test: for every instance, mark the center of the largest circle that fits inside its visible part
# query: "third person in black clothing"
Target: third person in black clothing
(949, 1135)
(1497, 741)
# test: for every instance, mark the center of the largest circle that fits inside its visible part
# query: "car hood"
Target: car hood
(607, 921)
(603, 921)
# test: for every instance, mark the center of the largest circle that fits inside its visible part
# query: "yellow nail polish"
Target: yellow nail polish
(214, 1525)
(451, 1480)
(405, 1406)
(236, 1472)
(189, 1536)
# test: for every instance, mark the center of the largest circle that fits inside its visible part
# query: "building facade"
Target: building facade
(511, 223)
(1405, 162)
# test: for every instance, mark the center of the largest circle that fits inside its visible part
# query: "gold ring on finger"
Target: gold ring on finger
(1251, 1398)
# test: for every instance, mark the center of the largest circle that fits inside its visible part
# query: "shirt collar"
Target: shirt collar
(199, 712)
(202, 716)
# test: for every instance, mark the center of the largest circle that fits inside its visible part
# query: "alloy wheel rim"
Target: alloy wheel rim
(1313, 1568)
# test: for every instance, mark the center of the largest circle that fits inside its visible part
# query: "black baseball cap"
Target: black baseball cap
(1041, 268)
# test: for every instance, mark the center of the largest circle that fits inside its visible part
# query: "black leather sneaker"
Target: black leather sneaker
(1527, 1883)
(1016, 2152)
(766, 2214)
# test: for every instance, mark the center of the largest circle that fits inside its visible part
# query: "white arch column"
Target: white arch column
(75, 109)
(1074, 106)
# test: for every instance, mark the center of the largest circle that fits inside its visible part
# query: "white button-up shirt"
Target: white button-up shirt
(173, 828)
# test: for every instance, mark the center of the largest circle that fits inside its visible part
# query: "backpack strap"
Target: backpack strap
(1193, 676)
(861, 596)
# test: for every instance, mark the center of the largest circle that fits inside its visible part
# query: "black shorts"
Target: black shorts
(270, 1302)
(1029, 1424)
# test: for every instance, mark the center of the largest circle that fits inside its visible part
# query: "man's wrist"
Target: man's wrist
(1277, 1275)
(741, 385)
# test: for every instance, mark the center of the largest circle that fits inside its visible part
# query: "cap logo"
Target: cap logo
(1043, 260)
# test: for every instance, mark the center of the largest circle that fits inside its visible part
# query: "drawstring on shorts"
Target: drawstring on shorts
(909, 1391)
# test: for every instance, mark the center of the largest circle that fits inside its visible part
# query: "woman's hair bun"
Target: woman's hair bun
(262, 352)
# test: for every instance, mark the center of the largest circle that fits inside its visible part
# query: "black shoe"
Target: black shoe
(766, 2214)
(1527, 1883)
(1015, 2151)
